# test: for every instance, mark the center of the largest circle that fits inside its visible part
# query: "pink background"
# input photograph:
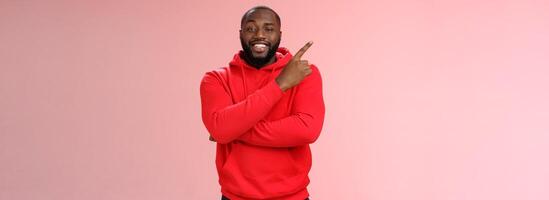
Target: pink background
(430, 100)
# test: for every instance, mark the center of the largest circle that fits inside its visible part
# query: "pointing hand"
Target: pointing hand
(295, 71)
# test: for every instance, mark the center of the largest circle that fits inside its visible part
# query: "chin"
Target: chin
(260, 56)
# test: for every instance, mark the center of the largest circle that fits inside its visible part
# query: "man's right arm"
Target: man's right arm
(227, 121)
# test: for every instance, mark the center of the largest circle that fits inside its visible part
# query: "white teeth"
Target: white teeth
(260, 45)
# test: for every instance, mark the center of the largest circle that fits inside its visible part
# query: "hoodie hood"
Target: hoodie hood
(283, 56)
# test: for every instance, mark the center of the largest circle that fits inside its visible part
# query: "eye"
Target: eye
(269, 29)
(250, 29)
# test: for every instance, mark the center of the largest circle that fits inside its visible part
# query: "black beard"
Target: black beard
(258, 62)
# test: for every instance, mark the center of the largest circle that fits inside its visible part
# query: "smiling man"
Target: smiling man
(263, 110)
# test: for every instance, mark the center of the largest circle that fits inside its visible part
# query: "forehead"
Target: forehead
(260, 16)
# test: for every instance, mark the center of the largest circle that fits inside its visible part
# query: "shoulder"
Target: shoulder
(315, 68)
(315, 71)
(219, 74)
(314, 79)
(218, 71)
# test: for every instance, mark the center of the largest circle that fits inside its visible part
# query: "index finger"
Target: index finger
(303, 50)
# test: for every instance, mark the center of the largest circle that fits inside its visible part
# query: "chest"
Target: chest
(241, 88)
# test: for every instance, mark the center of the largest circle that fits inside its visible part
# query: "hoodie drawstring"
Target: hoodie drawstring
(244, 81)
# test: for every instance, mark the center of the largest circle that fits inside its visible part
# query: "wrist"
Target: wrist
(281, 84)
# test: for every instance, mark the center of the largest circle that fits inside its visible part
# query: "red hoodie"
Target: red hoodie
(262, 133)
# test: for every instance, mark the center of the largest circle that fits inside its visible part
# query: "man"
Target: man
(263, 110)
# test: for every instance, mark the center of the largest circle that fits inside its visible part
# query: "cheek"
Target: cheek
(245, 38)
(275, 38)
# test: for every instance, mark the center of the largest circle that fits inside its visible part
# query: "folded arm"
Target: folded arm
(226, 120)
(304, 124)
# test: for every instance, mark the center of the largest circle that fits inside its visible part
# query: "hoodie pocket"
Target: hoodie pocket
(259, 162)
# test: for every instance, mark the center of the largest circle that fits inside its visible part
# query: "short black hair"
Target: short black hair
(259, 8)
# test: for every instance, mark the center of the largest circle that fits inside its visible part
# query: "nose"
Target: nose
(259, 34)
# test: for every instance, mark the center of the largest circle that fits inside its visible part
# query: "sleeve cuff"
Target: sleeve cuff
(272, 92)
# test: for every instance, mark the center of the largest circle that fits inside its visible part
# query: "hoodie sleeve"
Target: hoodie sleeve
(225, 120)
(302, 127)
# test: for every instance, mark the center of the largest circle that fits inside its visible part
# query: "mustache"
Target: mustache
(252, 42)
(258, 62)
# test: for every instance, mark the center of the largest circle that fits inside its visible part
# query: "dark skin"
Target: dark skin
(262, 26)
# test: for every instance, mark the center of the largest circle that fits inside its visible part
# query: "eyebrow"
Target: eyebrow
(251, 20)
